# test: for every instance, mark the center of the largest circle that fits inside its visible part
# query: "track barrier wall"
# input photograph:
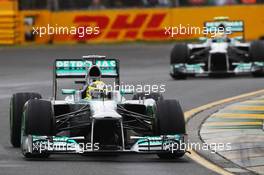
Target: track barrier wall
(125, 24)
(10, 23)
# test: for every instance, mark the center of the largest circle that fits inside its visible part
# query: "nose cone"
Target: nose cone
(219, 47)
(111, 115)
(104, 110)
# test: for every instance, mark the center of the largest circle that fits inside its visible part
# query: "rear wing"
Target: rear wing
(235, 27)
(78, 68)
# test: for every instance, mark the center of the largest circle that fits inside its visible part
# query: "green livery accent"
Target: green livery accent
(157, 140)
(191, 68)
(243, 67)
(246, 67)
(55, 139)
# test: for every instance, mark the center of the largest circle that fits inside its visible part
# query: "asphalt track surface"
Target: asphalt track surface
(30, 69)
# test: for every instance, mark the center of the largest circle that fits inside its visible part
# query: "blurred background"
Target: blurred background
(29, 68)
(101, 4)
(121, 20)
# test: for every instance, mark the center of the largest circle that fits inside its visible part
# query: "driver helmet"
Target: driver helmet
(220, 37)
(95, 90)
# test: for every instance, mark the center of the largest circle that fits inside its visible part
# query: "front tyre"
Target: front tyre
(258, 74)
(256, 50)
(179, 55)
(38, 119)
(169, 121)
(16, 110)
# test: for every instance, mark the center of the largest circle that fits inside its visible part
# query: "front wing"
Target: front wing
(77, 145)
(200, 68)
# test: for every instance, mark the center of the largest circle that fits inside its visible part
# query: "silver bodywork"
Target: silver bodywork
(211, 47)
(101, 110)
(224, 53)
(106, 109)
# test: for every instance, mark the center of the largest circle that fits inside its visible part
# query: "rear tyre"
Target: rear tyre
(155, 96)
(16, 110)
(169, 121)
(38, 120)
(256, 50)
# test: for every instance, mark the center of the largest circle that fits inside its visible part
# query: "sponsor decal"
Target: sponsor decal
(75, 68)
(127, 26)
(83, 64)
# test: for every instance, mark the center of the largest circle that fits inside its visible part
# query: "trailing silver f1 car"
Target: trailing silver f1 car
(94, 119)
(218, 55)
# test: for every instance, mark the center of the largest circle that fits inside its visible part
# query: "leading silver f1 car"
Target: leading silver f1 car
(219, 55)
(105, 123)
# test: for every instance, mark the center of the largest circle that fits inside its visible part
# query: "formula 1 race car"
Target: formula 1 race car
(93, 120)
(220, 55)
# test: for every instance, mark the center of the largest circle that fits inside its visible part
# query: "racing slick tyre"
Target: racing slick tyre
(179, 53)
(38, 118)
(169, 121)
(178, 76)
(256, 50)
(155, 96)
(258, 74)
(16, 110)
